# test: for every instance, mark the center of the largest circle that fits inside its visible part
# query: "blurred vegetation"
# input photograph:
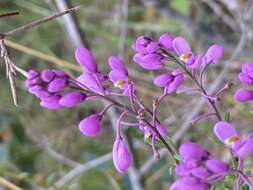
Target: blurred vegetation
(23, 158)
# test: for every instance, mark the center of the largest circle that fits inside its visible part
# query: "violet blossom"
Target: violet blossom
(170, 81)
(246, 77)
(198, 170)
(226, 133)
(54, 89)
(90, 126)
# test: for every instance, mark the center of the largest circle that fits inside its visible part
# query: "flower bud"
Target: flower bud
(47, 75)
(85, 58)
(90, 126)
(121, 156)
(72, 99)
(216, 166)
(57, 85)
(243, 95)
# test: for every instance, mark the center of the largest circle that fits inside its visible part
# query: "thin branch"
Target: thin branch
(80, 170)
(39, 22)
(8, 14)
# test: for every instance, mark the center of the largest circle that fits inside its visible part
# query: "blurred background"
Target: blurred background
(42, 149)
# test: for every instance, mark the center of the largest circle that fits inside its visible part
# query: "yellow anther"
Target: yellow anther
(119, 83)
(231, 140)
(186, 56)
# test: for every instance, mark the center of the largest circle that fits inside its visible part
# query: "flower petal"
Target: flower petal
(85, 58)
(243, 95)
(181, 46)
(214, 53)
(223, 131)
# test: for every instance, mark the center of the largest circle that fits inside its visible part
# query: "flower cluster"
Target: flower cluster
(198, 169)
(54, 89)
(246, 77)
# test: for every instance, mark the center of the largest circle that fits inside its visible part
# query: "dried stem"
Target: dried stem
(9, 184)
(39, 22)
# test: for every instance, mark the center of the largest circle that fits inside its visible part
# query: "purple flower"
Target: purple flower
(170, 81)
(189, 183)
(57, 85)
(72, 99)
(243, 95)
(122, 158)
(246, 76)
(91, 81)
(148, 55)
(51, 102)
(49, 86)
(226, 133)
(197, 169)
(90, 126)
(192, 151)
(216, 166)
(85, 58)
(166, 40)
(183, 49)
(213, 54)
(118, 74)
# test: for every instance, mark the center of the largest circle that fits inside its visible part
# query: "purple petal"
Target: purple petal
(247, 67)
(51, 102)
(85, 58)
(246, 149)
(162, 130)
(117, 64)
(189, 151)
(143, 40)
(47, 75)
(190, 183)
(32, 74)
(60, 73)
(153, 47)
(200, 172)
(122, 158)
(57, 85)
(116, 76)
(138, 58)
(89, 81)
(182, 170)
(245, 78)
(178, 80)
(216, 166)
(163, 80)
(51, 106)
(90, 126)
(181, 46)
(243, 95)
(214, 53)
(223, 131)
(72, 99)
(167, 41)
(197, 62)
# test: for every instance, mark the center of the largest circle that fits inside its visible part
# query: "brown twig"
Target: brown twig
(39, 22)
(8, 14)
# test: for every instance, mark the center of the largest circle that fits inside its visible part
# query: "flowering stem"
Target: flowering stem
(129, 123)
(132, 112)
(106, 108)
(201, 88)
(202, 117)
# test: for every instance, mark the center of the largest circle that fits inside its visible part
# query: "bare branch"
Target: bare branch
(39, 22)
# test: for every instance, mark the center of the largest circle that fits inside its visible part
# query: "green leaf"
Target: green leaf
(227, 116)
(178, 157)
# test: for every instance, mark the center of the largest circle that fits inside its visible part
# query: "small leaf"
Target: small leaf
(227, 116)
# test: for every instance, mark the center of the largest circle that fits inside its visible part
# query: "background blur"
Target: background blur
(41, 149)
